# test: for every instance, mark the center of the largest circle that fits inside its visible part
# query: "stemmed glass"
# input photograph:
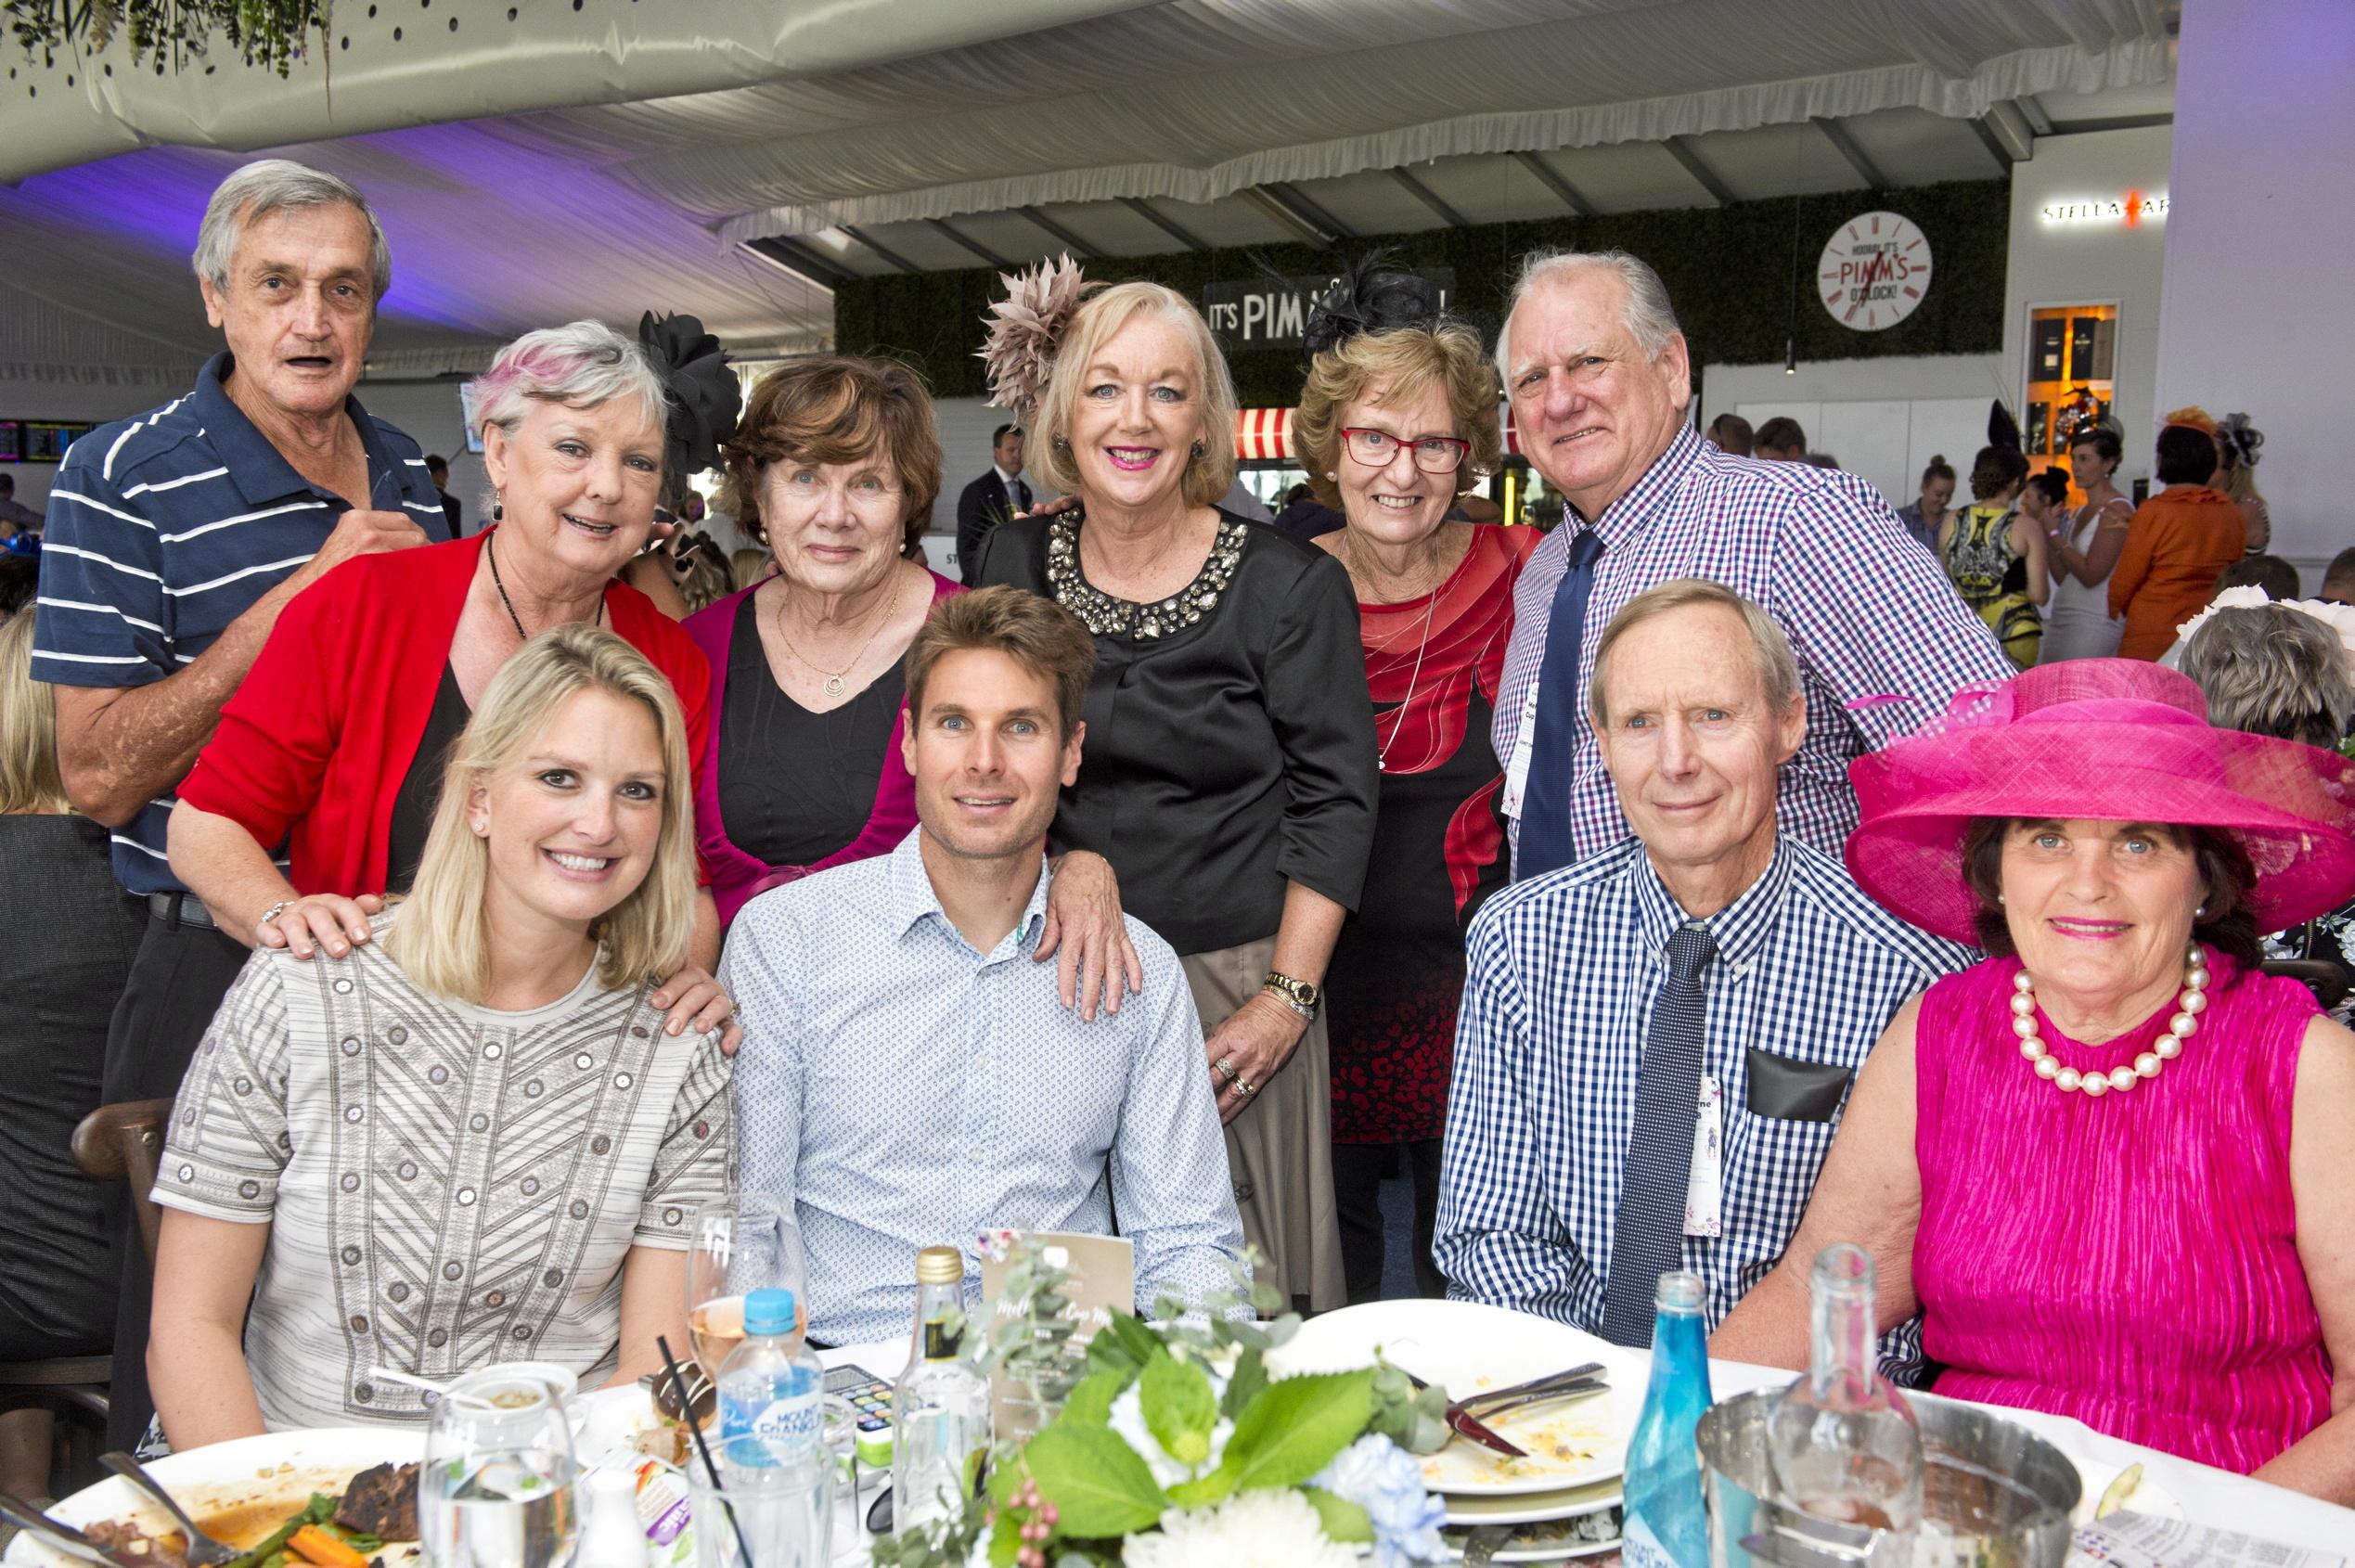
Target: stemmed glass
(741, 1244)
(496, 1488)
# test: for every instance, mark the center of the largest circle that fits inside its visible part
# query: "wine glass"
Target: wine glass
(496, 1488)
(746, 1244)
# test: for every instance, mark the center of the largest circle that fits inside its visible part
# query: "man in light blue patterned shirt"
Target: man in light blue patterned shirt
(1655, 1043)
(908, 1076)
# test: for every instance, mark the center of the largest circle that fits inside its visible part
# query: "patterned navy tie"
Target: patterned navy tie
(1647, 1238)
(1545, 841)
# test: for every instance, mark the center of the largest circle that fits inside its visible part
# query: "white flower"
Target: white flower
(1127, 1419)
(1268, 1528)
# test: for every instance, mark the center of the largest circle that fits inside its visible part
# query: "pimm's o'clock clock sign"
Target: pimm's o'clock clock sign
(1875, 270)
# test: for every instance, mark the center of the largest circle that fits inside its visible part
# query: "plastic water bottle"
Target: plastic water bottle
(1666, 1526)
(772, 1458)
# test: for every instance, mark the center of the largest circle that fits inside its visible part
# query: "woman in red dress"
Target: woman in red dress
(1398, 417)
(334, 743)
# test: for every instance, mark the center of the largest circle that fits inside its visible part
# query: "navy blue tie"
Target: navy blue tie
(1545, 843)
(1647, 1238)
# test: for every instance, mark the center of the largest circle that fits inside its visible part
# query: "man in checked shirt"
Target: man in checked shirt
(1655, 1043)
(1601, 384)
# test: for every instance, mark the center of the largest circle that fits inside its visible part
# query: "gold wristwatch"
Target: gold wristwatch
(1297, 994)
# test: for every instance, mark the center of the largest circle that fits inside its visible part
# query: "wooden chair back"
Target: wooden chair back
(124, 1142)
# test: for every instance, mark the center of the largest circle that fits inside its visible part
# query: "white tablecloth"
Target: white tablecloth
(2209, 1496)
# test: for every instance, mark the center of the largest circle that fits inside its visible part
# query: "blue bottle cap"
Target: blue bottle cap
(768, 1311)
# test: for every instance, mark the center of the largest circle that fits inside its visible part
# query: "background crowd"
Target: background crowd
(497, 897)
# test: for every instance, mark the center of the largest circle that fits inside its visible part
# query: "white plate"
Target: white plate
(1469, 1347)
(1517, 1550)
(250, 1471)
(607, 1423)
(1533, 1508)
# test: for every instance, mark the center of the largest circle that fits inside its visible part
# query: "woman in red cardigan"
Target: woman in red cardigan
(836, 464)
(333, 744)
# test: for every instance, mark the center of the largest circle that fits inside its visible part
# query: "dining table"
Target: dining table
(2208, 1495)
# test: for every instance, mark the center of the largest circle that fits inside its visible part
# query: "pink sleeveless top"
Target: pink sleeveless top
(2130, 1261)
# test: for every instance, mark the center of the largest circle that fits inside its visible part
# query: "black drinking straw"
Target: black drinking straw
(687, 1411)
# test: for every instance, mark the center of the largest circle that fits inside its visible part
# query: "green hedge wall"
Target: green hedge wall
(1726, 268)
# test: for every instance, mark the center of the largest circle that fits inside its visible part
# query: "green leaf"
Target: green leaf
(1180, 1409)
(1293, 1427)
(1098, 1485)
(1134, 1337)
(1343, 1520)
(1006, 1477)
(1091, 1402)
(1005, 1540)
(1204, 1490)
(1249, 1377)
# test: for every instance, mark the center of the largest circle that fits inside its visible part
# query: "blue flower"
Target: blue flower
(1386, 1481)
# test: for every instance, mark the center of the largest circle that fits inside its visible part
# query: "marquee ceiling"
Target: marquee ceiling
(599, 159)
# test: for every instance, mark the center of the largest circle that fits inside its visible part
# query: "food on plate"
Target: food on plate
(1554, 1438)
(329, 1530)
(2113, 1499)
(381, 1502)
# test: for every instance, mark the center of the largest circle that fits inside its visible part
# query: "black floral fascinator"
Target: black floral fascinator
(703, 394)
(1373, 294)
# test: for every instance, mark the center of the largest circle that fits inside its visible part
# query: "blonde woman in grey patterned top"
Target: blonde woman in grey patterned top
(469, 1141)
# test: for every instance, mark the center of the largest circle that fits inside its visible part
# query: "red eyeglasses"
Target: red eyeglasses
(1434, 454)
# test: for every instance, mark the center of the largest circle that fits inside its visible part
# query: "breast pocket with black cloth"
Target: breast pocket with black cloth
(1790, 1090)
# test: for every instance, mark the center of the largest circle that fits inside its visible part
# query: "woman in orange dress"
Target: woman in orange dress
(2179, 541)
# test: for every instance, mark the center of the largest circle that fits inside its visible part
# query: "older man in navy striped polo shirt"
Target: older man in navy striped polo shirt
(174, 540)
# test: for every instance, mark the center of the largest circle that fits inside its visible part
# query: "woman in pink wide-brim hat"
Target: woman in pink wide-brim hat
(2107, 1165)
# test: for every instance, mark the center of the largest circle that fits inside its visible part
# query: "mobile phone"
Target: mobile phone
(867, 1394)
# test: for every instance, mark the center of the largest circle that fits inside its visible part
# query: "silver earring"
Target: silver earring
(2200, 913)
(498, 505)
(1999, 898)
(1330, 474)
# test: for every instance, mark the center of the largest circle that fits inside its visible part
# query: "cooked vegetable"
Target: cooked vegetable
(315, 1545)
(2119, 1490)
(318, 1510)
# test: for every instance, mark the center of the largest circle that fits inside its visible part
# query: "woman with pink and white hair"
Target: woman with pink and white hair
(334, 743)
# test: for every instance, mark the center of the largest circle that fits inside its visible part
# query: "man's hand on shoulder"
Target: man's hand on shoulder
(357, 534)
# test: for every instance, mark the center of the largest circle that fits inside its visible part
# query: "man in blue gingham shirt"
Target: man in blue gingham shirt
(1599, 383)
(174, 540)
(1696, 701)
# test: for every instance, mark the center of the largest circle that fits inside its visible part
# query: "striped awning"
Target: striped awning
(1265, 434)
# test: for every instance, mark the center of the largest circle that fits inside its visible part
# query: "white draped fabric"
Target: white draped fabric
(787, 120)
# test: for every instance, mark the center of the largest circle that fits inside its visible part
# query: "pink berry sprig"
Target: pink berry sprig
(1038, 1528)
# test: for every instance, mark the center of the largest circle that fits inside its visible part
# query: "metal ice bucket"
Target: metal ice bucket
(1994, 1496)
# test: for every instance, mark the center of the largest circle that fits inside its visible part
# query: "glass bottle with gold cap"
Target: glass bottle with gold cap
(940, 1412)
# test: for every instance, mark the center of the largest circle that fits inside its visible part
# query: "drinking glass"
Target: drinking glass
(496, 1488)
(741, 1244)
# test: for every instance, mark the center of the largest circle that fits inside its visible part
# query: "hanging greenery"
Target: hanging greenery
(267, 33)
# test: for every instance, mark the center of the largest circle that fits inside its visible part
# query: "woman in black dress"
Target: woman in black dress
(1228, 773)
(67, 934)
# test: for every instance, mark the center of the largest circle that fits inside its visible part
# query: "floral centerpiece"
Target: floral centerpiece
(1168, 1444)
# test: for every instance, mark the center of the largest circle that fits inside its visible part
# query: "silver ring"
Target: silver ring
(1244, 1086)
(1226, 1064)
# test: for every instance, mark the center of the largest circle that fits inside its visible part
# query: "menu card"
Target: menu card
(1103, 1279)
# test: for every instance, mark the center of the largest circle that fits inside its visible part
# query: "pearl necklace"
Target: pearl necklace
(2166, 1048)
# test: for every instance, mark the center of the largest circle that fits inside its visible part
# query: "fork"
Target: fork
(50, 1533)
(203, 1550)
